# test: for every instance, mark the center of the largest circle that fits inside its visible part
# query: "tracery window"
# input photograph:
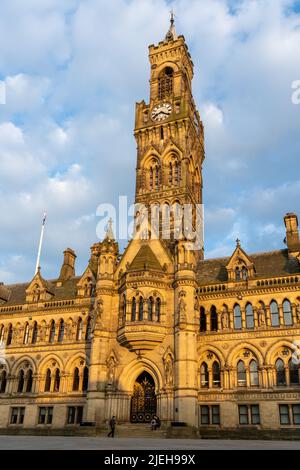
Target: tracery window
(29, 381)
(280, 372)
(47, 387)
(241, 374)
(165, 83)
(254, 379)
(204, 375)
(216, 375)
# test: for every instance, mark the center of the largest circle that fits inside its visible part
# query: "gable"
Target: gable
(145, 260)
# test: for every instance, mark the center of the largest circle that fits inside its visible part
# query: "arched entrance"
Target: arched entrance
(143, 400)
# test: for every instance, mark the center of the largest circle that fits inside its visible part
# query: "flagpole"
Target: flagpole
(40, 244)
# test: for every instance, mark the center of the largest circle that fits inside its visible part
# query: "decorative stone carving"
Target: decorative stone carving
(97, 313)
(225, 319)
(298, 313)
(111, 365)
(182, 317)
(169, 374)
(261, 315)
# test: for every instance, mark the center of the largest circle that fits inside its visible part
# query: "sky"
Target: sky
(73, 70)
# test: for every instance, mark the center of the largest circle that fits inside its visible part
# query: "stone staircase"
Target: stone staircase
(139, 430)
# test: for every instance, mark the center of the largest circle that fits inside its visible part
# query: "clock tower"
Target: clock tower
(169, 133)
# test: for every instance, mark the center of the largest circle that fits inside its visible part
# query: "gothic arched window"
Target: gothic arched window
(76, 380)
(26, 334)
(21, 381)
(79, 329)
(52, 332)
(150, 308)
(294, 373)
(88, 330)
(213, 319)
(85, 381)
(237, 317)
(204, 375)
(237, 274)
(216, 375)
(34, 333)
(141, 309)
(249, 316)
(170, 173)
(29, 381)
(254, 381)
(3, 381)
(9, 335)
(241, 374)
(202, 319)
(165, 83)
(1, 333)
(287, 313)
(157, 309)
(280, 372)
(244, 273)
(274, 313)
(61, 331)
(57, 380)
(133, 309)
(48, 381)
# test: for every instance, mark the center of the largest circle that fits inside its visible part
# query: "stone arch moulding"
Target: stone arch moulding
(244, 345)
(277, 345)
(207, 348)
(131, 372)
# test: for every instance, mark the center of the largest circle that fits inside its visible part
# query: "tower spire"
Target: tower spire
(171, 34)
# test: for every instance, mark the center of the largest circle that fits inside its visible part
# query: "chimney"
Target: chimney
(68, 268)
(292, 234)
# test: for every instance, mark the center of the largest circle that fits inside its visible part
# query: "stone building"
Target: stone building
(158, 329)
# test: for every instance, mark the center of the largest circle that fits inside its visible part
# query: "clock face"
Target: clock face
(161, 111)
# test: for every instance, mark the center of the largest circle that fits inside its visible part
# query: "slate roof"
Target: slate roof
(67, 291)
(145, 260)
(269, 264)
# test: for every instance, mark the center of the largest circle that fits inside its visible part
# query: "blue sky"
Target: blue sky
(73, 72)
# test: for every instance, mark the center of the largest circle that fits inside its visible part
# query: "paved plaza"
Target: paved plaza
(103, 443)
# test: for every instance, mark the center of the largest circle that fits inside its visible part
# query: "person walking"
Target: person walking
(158, 423)
(153, 424)
(112, 425)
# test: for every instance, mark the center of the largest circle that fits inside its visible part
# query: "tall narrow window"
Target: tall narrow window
(237, 317)
(34, 333)
(176, 173)
(52, 332)
(253, 374)
(56, 380)
(1, 333)
(161, 133)
(79, 329)
(156, 177)
(85, 381)
(150, 308)
(213, 319)
(61, 331)
(21, 381)
(124, 307)
(29, 381)
(287, 313)
(48, 381)
(216, 374)
(88, 331)
(141, 309)
(9, 335)
(204, 376)
(26, 334)
(274, 313)
(241, 374)
(165, 83)
(280, 372)
(3, 381)
(133, 309)
(294, 372)
(76, 380)
(202, 319)
(157, 309)
(237, 274)
(244, 273)
(249, 316)
(170, 173)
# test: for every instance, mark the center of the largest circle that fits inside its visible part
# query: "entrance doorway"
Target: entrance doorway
(143, 400)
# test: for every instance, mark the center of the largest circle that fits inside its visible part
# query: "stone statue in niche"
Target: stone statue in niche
(261, 316)
(225, 319)
(43, 329)
(169, 371)
(182, 308)
(111, 364)
(97, 313)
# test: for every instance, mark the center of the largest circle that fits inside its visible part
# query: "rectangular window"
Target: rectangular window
(284, 414)
(74, 415)
(215, 413)
(17, 415)
(255, 416)
(210, 414)
(296, 414)
(45, 415)
(243, 414)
